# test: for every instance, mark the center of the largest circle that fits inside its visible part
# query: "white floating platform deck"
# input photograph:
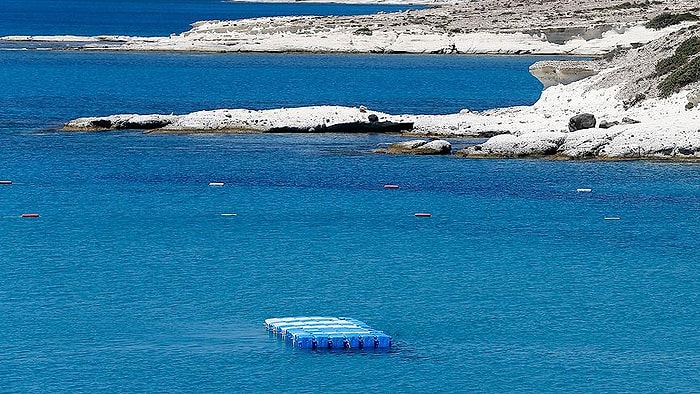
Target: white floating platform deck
(316, 332)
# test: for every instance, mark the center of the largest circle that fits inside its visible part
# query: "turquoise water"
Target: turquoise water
(131, 280)
(62, 85)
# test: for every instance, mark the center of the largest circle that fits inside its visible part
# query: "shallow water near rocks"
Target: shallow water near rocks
(132, 280)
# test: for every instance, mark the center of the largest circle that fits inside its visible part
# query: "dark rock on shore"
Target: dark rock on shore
(604, 124)
(148, 124)
(582, 121)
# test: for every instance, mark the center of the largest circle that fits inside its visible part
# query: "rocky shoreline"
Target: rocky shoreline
(642, 95)
(586, 27)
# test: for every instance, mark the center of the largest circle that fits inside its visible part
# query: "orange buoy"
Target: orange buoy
(391, 186)
(30, 215)
(422, 215)
(5, 182)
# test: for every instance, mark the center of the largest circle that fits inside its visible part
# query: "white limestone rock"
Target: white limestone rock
(120, 122)
(586, 143)
(661, 143)
(552, 73)
(525, 145)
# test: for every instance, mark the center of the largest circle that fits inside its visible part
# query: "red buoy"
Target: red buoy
(30, 215)
(422, 215)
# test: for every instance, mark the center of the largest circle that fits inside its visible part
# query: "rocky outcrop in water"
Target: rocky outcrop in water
(120, 122)
(420, 147)
(323, 119)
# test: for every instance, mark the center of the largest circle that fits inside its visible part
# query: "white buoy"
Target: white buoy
(216, 183)
(391, 186)
(584, 190)
(228, 214)
(5, 182)
(612, 218)
(422, 215)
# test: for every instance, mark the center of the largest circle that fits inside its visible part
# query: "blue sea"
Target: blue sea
(131, 280)
(151, 17)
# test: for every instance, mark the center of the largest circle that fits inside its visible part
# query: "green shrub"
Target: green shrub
(666, 65)
(667, 19)
(685, 75)
(689, 47)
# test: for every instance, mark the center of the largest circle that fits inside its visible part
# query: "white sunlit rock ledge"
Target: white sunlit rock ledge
(585, 27)
(283, 34)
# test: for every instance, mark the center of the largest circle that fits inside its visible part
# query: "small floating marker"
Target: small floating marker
(422, 215)
(30, 215)
(584, 190)
(391, 186)
(327, 333)
(216, 183)
(5, 182)
(612, 218)
(228, 214)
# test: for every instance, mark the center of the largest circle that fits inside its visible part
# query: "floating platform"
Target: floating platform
(317, 332)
